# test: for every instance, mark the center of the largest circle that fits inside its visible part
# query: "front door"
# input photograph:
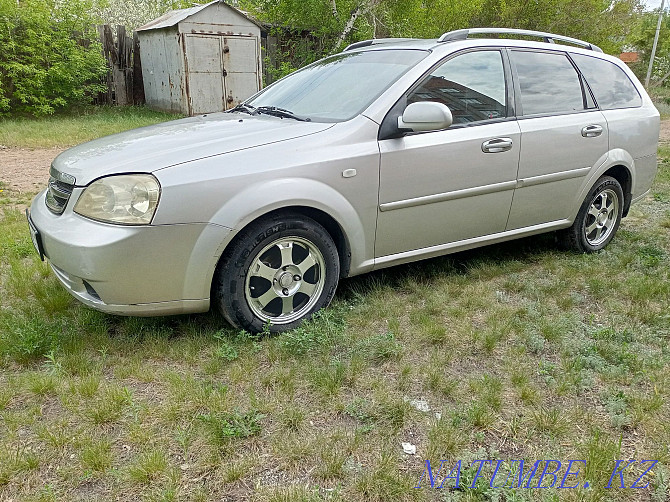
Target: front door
(447, 186)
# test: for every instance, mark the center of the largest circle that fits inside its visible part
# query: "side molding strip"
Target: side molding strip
(548, 178)
(442, 197)
(483, 190)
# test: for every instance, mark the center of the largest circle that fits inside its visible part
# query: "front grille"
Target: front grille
(59, 190)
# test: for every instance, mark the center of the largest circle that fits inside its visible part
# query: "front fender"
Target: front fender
(262, 198)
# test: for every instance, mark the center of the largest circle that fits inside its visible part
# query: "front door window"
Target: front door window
(472, 85)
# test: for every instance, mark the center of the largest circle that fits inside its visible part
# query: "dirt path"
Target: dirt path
(26, 171)
(665, 130)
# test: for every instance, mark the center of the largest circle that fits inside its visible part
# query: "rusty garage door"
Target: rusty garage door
(221, 71)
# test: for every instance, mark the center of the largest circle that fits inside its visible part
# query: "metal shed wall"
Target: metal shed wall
(163, 70)
(203, 59)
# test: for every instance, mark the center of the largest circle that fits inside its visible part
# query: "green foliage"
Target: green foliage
(50, 58)
(601, 22)
(641, 37)
(134, 13)
(307, 30)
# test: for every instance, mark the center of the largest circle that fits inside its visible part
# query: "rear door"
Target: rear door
(563, 136)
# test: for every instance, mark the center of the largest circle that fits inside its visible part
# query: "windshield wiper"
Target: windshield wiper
(243, 107)
(281, 112)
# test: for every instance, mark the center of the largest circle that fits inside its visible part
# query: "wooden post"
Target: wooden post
(104, 32)
(124, 75)
(138, 82)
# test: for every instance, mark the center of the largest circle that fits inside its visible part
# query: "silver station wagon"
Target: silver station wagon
(393, 151)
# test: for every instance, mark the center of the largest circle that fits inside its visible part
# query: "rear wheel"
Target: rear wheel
(277, 273)
(598, 218)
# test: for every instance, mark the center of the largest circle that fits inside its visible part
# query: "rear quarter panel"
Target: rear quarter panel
(636, 131)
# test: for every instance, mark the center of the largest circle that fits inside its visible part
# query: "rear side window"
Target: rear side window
(548, 82)
(610, 85)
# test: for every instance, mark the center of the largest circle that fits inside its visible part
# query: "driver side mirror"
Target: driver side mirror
(425, 116)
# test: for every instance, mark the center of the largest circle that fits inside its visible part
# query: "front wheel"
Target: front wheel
(598, 218)
(277, 273)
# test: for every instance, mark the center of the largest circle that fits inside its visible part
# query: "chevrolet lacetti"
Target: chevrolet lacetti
(394, 150)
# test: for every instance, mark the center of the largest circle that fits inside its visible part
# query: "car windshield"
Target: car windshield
(339, 87)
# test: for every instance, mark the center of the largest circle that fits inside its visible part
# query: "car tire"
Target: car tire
(598, 219)
(277, 273)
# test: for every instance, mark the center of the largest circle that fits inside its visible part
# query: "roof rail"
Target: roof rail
(375, 41)
(548, 37)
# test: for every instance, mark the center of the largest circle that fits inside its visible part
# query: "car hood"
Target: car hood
(151, 148)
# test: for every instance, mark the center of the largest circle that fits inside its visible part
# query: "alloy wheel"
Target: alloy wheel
(285, 280)
(602, 217)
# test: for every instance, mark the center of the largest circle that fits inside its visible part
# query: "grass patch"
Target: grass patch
(233, 425)
(77, 126)
(507, 352)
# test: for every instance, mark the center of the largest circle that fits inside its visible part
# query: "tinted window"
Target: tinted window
(339, 87)
(609, 83)
(472, 85)
(549, 83)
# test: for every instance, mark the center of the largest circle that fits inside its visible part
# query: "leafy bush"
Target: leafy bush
(50, 56)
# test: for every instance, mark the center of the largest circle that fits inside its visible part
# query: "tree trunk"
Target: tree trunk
(355, 14)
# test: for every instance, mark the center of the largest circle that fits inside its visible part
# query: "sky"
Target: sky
(655, 4)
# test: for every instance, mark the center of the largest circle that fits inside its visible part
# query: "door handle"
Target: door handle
(497, 145)
(592, 131)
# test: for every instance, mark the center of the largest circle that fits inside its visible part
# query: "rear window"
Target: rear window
(548, 82)
(610, 84)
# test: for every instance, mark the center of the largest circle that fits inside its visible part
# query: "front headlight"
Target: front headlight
(127, 199)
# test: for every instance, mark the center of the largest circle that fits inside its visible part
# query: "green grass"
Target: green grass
(508, 352)
(77, 126)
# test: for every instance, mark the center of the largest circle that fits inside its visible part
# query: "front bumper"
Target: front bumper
(130, 270)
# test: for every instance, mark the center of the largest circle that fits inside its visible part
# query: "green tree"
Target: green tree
(134, 13)
(641, 38)
(50, 56)
(602, 22)
(333, 23)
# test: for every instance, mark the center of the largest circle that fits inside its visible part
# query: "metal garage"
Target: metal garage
(200, 60)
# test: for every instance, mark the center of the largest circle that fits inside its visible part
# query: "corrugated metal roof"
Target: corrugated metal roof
(177, 16)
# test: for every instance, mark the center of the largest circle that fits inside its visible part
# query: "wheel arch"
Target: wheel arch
(618, 164)
(321, 217)
(317, 200)
(625, 178)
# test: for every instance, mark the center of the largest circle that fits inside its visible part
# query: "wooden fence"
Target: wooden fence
(124, 75)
